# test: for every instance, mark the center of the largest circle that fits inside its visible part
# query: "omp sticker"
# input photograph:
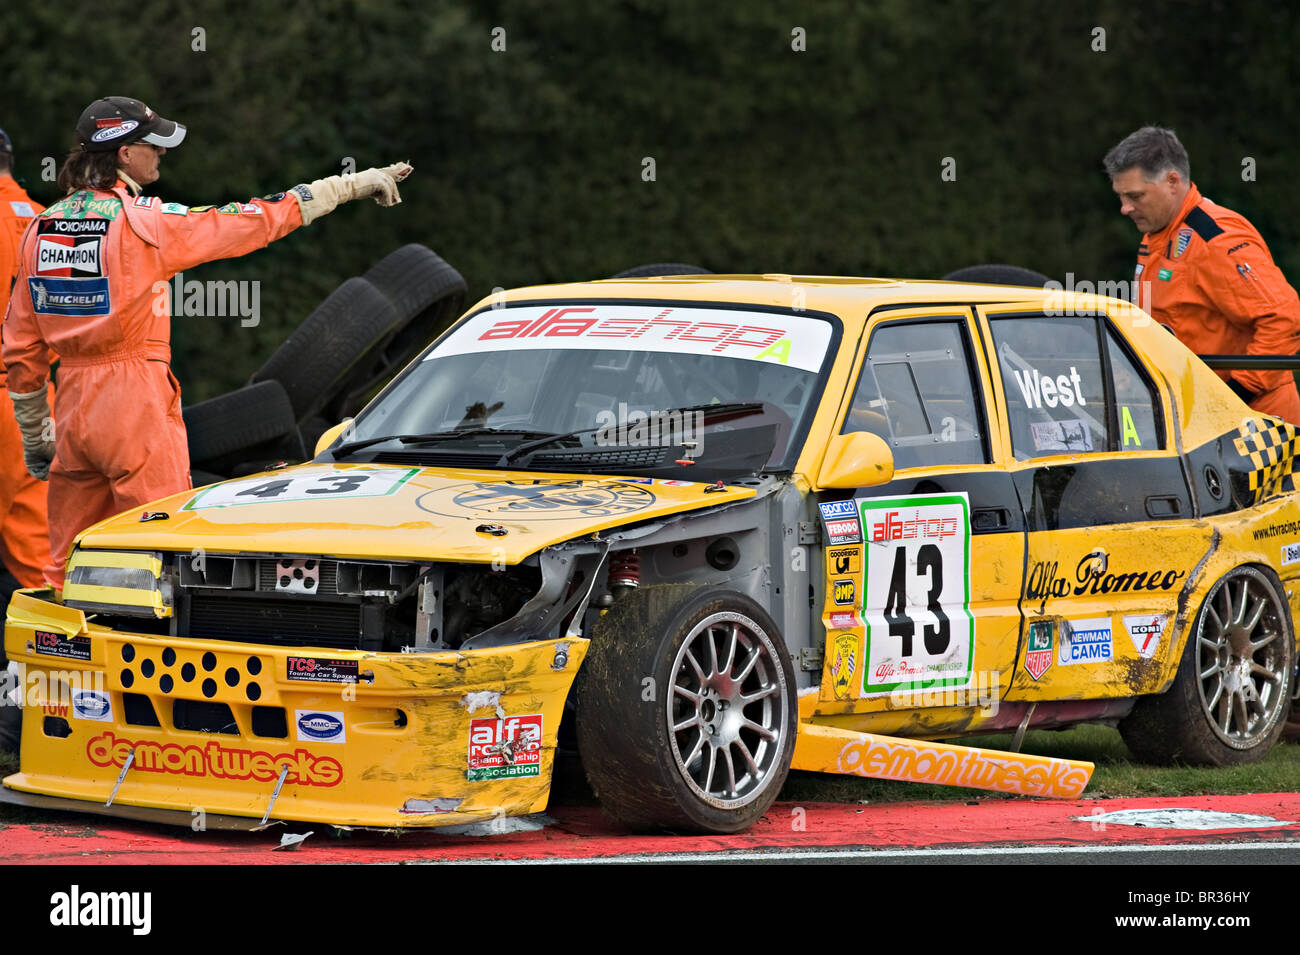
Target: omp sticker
(92, 705)
(215, 760)
(505, 748)
(1044, 391)
(1086, 641)
(320, 726)
(1290, 553)
(1145, 630)
(1071, 435)
(538, 500)
(844, 560)
(844, 592)
(846, 651)
(314, 485)
(798, 341)
(1038, 649)
(920, 631)
(320, 670)
(55, 296)
(58, 645)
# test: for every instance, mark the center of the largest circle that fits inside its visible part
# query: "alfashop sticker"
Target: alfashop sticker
(505, 748)
(92, 705)
(320, 670)
(797, 341)
(916, 598)
(213, 759)
(58, 645)
(1290, 553)
(320, 726)
(1039, 651)
(1145, 630)
(1086, 641)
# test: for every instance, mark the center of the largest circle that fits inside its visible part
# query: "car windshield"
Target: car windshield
(721, 388)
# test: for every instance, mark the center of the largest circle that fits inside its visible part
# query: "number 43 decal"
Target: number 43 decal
(311, 484)
(916, 575)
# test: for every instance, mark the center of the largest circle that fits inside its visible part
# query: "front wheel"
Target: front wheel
(686, 710)
(1228, 701)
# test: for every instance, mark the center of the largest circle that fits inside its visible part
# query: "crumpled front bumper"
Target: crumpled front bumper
(350, 738)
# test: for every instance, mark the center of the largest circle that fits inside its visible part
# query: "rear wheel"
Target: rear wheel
(686, 710)
(1228, 701)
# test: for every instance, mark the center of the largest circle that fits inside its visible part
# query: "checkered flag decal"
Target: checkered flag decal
(1272, 446)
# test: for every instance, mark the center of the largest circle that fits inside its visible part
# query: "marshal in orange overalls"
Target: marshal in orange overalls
(87, 289)
(24, 540)
(1209, 276)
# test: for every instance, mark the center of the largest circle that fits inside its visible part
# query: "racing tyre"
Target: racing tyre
(686, 710)
(332, 352)
(1228, 701)
(247, 418)
(661, 268)
(999, 275)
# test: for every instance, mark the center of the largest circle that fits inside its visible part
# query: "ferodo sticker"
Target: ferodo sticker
(321, 670)
(505, 748)
(920, 631)
(58, 645)
(312, 485)
(798, 341)
(1145, 630)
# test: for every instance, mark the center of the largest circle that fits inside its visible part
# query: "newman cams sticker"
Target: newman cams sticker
(505, 748)
(1086, 641)
(321, 670)
(323, 484)
(58, 645)
(920, 631)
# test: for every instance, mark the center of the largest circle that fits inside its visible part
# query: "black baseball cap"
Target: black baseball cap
(117, 120)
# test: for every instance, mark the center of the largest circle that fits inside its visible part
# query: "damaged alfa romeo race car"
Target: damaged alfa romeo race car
(700, 530)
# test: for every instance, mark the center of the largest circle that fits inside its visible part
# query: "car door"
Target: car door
(1111, 538)
(923, 573)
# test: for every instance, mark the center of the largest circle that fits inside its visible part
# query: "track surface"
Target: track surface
(928, 831)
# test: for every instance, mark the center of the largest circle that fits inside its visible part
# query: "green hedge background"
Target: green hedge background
(530, 160)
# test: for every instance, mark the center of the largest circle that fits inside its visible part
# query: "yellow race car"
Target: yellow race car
(699, 529)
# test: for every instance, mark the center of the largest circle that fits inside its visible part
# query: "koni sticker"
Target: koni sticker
(505, 748)
(920, 631)
(59, 645)
(1086, 641)
(321, 670)
(1039, 650)
(1145, 630)
(326, 484)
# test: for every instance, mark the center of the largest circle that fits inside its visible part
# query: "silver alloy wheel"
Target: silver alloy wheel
(1241, 658)
(728, 710)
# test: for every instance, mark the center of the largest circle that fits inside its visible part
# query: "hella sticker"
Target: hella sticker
(92, 705)
(317, 726)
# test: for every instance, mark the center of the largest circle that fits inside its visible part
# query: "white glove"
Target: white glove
(323, 196)
(32, 412)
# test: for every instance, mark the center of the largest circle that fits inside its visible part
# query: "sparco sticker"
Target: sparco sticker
(321, 670)
(505, 748)
(323, 484)
(58, 645)
(777, 338)
(920, 631)
(1145, 630)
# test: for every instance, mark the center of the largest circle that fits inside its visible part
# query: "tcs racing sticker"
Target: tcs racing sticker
(320, 670)
(920, 631)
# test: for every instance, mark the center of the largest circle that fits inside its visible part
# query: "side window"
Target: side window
(916, 391)
(1139, 419)
(1055, 384)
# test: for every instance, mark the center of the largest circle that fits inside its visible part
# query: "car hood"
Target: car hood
(393, 512)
